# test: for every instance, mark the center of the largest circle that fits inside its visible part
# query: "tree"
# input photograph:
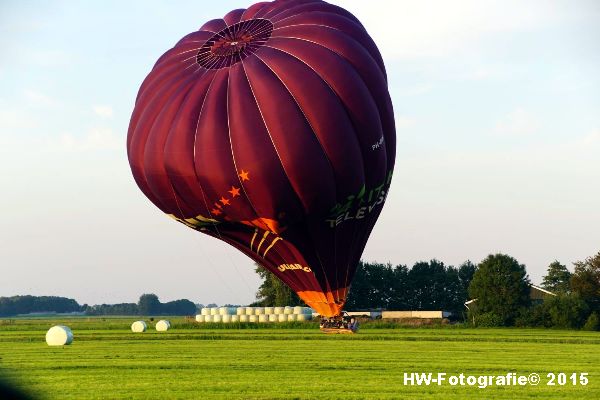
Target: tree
(586, 281)
(557, 278)
(501, 287)
(273, 292)
(148, 304)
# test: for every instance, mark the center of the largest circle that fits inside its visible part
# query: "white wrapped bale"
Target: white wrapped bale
(282, 317)
(243, 318)
(205, 311)
(208, 318)
(292, 317)
(163, 325)
(59, 335)
(139, 327)
(201, 317)
(288, 310)
(217, 318)
(235, 318)
(224, 311)
(268, 310)
(303, 317)
(249, 311)
(278, 310)
(253, 318)
(259, 310)
(273, 318)
(214, 311)
(240, 311)
(298, 310)
(263, 318)
(226, 318)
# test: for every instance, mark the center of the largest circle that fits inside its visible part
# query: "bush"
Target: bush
(566, 311)
(592, 323)
(489, 320)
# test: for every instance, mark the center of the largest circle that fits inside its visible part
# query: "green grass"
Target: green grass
(202, 361)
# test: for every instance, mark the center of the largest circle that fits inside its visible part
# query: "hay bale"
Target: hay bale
(214, 311)
(268, 310)
(200, 317)
(303, 317)
(243, 318)
(235, 318)
(59, 335)
(163, 325)
(253, 318)
(277, 310)
(262, 318)
(308, 311)
(224, 311)
(139, 327)
(288, 310)
(273, 318)
(298, 310)
(205, 311)
(217, 318)
(259, 310)
(282, 317)
(240, 311)
(226, 318)
(208, 318)
(292, 317)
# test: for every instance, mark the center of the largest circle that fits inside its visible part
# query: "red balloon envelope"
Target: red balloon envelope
(272, 129)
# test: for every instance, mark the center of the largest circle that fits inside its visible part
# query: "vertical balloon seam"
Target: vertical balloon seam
(282, 166)
(146, 135)
(281, 10)
(316, 137)
(235, 164)
(355, 230)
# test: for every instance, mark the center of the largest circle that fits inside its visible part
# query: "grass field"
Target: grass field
(107, 361)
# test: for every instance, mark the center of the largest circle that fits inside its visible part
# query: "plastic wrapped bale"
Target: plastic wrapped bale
(282, 317)
(139, 327)
(163, 325)
(217, 318)
(224, 311)
(263, 317)
(303, 317)
(235, 318)
(208, 318)
(291, 317)
(244, 318)
(232, 310)
(288, 310)
(200, 317)
(205, 311)
(249, 310)
(240, 311)
(253, 318)
(226, 318)
(259, 310)
(298, 310)
(214, 311)
(59, 335)
(268, 310)
(308, 311)
(278, 310)
(273, 318)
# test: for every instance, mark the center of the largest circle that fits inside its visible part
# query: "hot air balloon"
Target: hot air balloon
(272, 129)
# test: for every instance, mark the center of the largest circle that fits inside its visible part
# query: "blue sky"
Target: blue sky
(498, 121)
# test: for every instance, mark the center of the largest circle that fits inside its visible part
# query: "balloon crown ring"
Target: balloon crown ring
(234, 43)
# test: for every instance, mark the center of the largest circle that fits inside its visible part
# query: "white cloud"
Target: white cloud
(517, 123)
(40, 99)
(95, 139)
(103, 110)
(436, 28)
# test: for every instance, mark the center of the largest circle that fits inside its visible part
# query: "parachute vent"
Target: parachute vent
(234, 43)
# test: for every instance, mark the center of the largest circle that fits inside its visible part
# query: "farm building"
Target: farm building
(536, 294)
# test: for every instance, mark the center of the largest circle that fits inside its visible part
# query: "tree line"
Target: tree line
(499, 286)
(148, 304)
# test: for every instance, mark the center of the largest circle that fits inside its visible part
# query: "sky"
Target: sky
(497, 108)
